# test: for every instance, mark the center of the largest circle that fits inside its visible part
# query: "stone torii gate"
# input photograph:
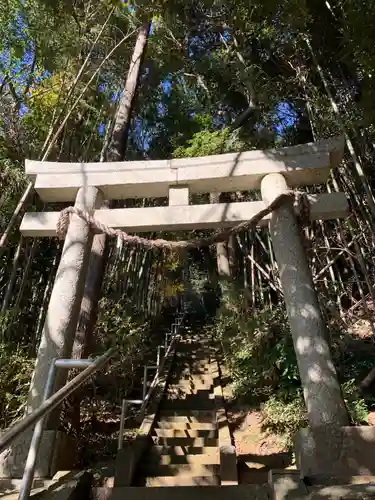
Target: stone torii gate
(273, 172)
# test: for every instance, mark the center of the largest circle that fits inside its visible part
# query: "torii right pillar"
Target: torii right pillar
(326, 411)
(322, 392)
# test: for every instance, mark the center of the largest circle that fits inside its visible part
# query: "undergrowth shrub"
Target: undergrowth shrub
(284, 416)
(135, 340)
(259, 353)
(16, 368)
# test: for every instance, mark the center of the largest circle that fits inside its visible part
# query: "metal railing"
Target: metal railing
(169, 340)
(49, 403)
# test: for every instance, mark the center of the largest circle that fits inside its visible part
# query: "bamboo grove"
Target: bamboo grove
(154, 80)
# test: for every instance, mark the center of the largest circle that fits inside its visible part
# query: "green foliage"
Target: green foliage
(207, 143)
(259, 352)
(12, 182)
(258, 348)
(354, 402)
(284, 416)
(15, 373)
(116, 329)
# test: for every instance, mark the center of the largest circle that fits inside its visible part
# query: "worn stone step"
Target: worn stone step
(185, 441)
(8, 485)
(191, 383)
(52, 490)
(152, 469)
(168, 424)
(284, 485)
(192, 375)
(184, 450)
(191, 403)
(182, 481)
(204, 395)
(186, 394)
(191, 390)
(201, 385)
(194, 346)
(194, 355)
(188, 415)
(179, 492)
(211, 458)
(209, 433)
(191, 361)
(189, 377)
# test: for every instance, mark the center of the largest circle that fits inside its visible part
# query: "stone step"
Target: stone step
(184, 450)
(240, 492)
(188, 419)
(184, 394)
(194, 433)
(196, 347)
(190, 384)
(190, 389)
(185, 441)
(193, 376)
(48, 489)
(151, 469)
(191, 403)
(287, 484)
(201, 361)
(168, 424)
(202, 358)
(205, 397)
(8, 485)
(188, 415)
(171, 459)
(182, 481)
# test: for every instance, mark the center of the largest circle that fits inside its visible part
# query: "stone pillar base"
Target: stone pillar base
(58, 451)
(344, 451)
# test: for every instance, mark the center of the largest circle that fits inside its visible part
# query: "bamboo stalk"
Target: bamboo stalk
(9, 289)
(252, 274)
(26, 272)
(334, 259)
(357, 165)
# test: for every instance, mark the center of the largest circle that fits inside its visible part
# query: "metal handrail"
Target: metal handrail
(49, 403)
(159, 368)
(155, 380)
(55, 400)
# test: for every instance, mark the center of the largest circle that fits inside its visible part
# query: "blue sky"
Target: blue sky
(19, 68)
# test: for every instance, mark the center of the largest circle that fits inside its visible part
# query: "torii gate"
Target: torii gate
(271, 171)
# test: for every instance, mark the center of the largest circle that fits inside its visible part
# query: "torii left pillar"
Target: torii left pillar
(57, 337)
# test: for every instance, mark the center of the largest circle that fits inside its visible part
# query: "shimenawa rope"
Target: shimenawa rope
(220, 236)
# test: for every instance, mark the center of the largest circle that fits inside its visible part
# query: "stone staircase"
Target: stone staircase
(185, 450)
(184, 455)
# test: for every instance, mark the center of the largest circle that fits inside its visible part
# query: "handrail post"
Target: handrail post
(145, 370)
(28, 475)
(124, 410)
(29, 471)
(158, 355)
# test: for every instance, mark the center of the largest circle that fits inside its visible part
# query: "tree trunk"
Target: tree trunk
(120, 132)
(98, 258)
(222, 254)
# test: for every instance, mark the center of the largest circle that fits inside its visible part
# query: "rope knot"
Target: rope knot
(303, 208)
(63, 222)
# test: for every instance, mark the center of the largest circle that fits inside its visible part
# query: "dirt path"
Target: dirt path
(257, 451)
